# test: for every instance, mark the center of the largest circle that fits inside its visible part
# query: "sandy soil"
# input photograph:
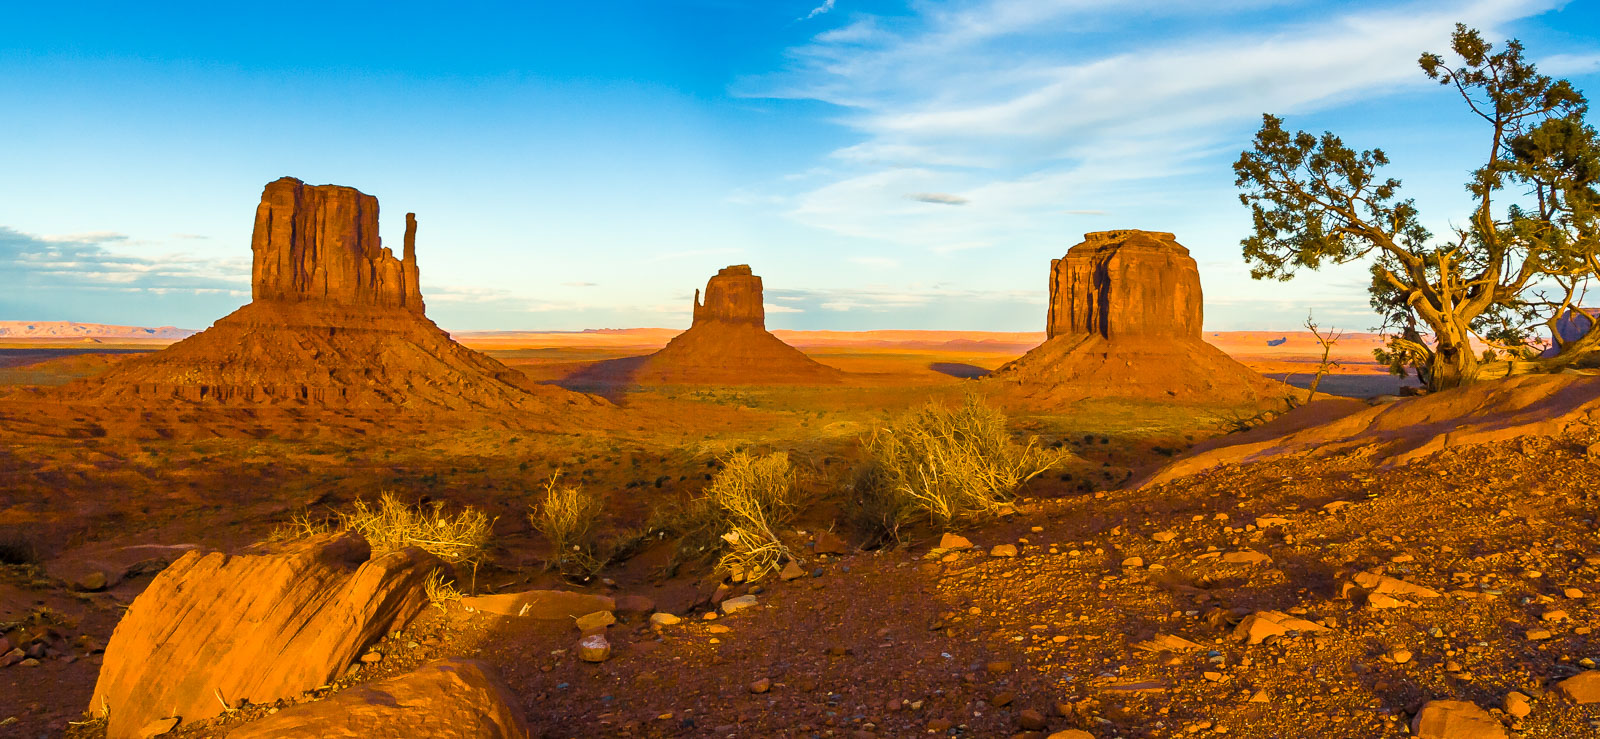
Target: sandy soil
(894, 642)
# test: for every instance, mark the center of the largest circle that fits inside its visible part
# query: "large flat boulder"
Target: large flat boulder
(450, 699)
(545, 605)
(256, 627)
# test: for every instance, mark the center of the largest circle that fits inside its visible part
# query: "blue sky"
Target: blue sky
(880, 164)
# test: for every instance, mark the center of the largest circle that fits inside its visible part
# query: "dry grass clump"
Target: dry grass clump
(440, 588)
(943, 465)
(756, 498)
(737, 517)
(568, 516)
(391, 524)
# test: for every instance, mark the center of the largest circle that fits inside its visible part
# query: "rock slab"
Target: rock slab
(216, 627)
(1455, 720)
(450, 699)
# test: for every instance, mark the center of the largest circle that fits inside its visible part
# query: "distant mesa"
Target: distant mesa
(1124, 322)
(728, 343)
(336, 320)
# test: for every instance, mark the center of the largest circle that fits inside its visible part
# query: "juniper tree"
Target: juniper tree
(1521, 257)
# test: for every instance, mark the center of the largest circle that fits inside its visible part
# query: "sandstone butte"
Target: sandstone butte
(728, 342)
(1124, 322)
(335, 320)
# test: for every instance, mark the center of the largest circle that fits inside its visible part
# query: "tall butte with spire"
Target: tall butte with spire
(335, 320)
(1125, 322)
(728, 342)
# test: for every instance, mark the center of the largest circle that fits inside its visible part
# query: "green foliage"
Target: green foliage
(940, 465)
(1316, 201)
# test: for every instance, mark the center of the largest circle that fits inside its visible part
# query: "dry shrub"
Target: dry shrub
(945, 465)
(567, 517)
(755, 497)
(737, 517)
(441, 588)
(392, 525)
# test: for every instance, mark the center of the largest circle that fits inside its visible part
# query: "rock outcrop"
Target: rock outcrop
(320, 243)
(1125, 284)
(450, 699)
(728, 343)
(336, 321)
(258, 627)
(1124, 322)
(733, 295)
(1401, 432)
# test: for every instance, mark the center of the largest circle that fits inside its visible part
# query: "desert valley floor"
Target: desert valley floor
(1219, 603)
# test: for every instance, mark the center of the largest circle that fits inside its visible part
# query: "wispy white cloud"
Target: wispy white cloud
(88, 262)
(884, 262)
(938, 198)
(1560, 65)
(997, 100)
(827, 5)
(775, 308)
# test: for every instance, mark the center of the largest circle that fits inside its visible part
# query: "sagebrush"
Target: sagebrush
(738, 516)
(941, 465)
(568, 516)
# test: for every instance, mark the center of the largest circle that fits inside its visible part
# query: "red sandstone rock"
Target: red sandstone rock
(734, 295)
(321, 243)
(548, 605)
(450, 699)
(336, 321)
(215, 627)
(1124, 322)
(1124, 284)
(729, 343)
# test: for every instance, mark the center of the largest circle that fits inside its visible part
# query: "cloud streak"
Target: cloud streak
(938, 198)
(1001, 101)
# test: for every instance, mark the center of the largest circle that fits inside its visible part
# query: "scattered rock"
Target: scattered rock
(1373, 583)
(1400, 655)
(1133, 562)
(1163, 536)
(761, 686)
(1246, 557)
(1031, 720)
(449, 699)
(954, 542)
(594, 648)
(734, 605)
(596, 620)
(93, 582)
(1003, 550)
(1582, 688)
(1071, 734)
(1167, 643)
(661, 618)
(1518, 705)
(1261, 625)
(791, 571)
(1455, 720)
